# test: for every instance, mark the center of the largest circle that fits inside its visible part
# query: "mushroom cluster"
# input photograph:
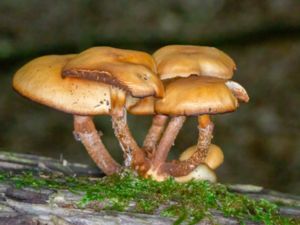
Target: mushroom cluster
(175, 82)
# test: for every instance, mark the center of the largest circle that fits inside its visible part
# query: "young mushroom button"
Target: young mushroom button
(214, 159)
(132, 73)
(40, 81)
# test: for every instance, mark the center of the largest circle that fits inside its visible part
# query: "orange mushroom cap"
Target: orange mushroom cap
(40, 80)
(131, 71)
(144, 106)
(196, 95)
(185, 60)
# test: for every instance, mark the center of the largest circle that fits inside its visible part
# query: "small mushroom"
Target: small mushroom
(40, 81)
(214, 158)
(133, 73)
(202, 172)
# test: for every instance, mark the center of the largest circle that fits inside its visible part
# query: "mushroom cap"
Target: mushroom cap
(137, 106)
(214, 159)
(196, 95)
(201, 172)
(40, 80)
(132, 71)
(185, 60)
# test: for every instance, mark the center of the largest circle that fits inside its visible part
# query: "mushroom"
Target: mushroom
(213, 159)
(185, 60)
(133, 73)
(205, 96)
(202, 172)
(182, 61)
(179, 62)
(40, 81)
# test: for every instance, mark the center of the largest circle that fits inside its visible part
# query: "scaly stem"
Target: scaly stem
(134, 155)
(167, 140)
(206, 128)
(85, 130)
(154, 134)
(182, 168)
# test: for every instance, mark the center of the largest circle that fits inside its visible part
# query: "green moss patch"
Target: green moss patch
(189, 202)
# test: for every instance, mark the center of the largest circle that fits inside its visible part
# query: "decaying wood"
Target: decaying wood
(61, 209)
(43, 206)
(11, 161)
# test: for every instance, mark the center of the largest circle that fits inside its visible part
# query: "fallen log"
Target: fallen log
(44, 205)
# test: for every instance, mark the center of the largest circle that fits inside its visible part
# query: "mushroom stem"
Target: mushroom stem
(134, 155)
(154, 134)
(205, 127)
(183, 168)
(86, 132)
(167, 140)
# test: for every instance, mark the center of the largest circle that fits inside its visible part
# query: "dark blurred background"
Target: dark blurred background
(261, 140)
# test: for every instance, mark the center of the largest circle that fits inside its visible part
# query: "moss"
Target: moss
(189, 202)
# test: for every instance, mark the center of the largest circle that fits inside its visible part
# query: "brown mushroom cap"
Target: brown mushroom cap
(132, 71)
(40, 80)
(196, 95)
(185, 60)
(144, 106)
(214, 159)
